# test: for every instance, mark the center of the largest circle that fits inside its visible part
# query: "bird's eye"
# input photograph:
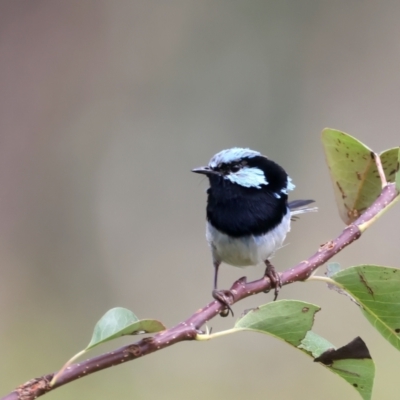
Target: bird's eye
(235, 168)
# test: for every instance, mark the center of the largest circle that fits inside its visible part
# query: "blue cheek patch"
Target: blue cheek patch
(248, 177)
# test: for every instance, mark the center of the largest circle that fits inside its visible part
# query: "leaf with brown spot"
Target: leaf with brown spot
(389, 159)
(288, 320)
(354, 173)
(377, 290)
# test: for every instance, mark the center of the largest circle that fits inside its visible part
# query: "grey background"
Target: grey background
(104, 109)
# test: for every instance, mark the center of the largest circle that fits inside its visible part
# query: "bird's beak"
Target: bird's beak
(205, 171)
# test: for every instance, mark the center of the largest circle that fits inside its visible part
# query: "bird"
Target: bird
(248, 213)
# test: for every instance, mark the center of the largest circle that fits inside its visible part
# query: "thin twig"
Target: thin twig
(188, 329)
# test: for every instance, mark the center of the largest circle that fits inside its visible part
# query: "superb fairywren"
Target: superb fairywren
(248, 214)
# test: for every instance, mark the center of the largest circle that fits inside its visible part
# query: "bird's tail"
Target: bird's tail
(297, 207)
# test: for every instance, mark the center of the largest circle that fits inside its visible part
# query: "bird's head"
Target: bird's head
(247, 169)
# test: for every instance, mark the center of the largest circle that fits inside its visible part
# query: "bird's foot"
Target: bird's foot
(274, 277)
(223, 297)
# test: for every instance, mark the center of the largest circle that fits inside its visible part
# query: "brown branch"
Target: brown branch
(188, 329)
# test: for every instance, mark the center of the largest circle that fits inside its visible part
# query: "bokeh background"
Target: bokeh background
(104, 109)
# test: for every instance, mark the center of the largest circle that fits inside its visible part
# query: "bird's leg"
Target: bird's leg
(216, 269)
(274, 277)
(221, 295)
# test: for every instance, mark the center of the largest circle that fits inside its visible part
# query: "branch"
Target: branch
(188, 329)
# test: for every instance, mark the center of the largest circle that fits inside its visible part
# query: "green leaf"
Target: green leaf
(349, 161)
(332, 269)
(356, 181)
(389, 159)
(119, 322)
(359, 372)
(114, 323)
(288, 320)
(291, 321)
(377, 290)
(314, 345)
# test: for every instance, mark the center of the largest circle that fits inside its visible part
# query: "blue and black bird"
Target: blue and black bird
(248, 213)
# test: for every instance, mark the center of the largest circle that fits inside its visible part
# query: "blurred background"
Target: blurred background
(105, 107)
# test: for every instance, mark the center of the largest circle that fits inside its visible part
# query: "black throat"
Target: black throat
(242, 211)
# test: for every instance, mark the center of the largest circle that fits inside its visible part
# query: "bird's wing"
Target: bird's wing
(297, 207)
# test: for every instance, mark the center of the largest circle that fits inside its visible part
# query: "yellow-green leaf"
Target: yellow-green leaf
(355, 178)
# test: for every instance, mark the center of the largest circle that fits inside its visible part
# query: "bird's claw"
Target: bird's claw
(274, 277)
(223, 297)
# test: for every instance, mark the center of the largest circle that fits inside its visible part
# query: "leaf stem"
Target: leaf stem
(66, 365)
(319, 278)
(209, 336)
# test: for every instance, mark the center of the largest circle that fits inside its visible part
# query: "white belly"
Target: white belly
(247, 250)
